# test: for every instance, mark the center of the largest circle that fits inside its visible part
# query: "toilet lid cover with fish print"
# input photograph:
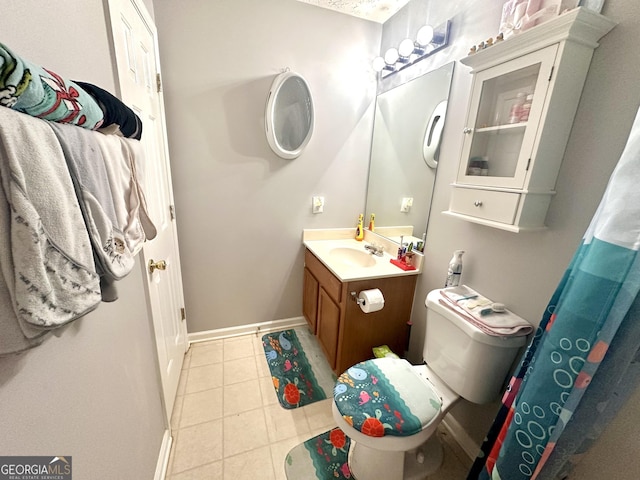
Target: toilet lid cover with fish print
(386, 396)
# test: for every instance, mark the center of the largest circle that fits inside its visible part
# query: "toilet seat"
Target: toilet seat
(386, 397)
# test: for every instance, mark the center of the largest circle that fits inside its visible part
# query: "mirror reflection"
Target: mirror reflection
(408, 123)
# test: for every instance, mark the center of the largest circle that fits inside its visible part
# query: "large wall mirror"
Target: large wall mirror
(404, 153)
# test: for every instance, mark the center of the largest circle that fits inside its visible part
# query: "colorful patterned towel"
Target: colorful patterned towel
(41, 93)
(300, 373)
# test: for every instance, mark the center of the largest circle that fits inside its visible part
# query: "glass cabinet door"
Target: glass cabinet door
(505, 110)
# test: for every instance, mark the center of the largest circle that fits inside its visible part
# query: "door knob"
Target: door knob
(478, 203)
(159, 265)
(467, 130)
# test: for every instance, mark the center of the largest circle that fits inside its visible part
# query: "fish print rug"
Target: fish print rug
(323, 458)
(300, 373)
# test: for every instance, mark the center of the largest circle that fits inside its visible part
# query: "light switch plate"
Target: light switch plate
(317, 204)
(407, 203)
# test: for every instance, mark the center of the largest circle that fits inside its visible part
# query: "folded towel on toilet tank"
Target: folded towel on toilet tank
(476, 309)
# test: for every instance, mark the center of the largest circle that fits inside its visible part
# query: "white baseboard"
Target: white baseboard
(255, 328)
(461, 436)
(163, 457)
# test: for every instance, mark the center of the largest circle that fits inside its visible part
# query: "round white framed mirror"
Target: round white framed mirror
(289, 117)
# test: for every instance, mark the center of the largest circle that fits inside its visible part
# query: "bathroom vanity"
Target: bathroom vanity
(345, 333)
(524, 98)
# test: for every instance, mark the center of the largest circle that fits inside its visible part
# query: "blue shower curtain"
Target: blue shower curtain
(583, 361)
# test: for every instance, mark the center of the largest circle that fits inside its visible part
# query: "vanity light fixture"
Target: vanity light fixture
(424, 36)
(405, 50)
(391, 56)
(379, 64)
(428, 41)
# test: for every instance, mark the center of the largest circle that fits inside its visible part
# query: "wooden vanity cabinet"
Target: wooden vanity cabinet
(345, 333)
(310, 299)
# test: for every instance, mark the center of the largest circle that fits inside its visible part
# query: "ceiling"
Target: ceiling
(375, 10)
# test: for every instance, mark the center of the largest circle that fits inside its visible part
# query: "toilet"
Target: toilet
(390, 409)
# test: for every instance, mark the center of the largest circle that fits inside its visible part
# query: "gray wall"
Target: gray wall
(93, 391)
(240, 208)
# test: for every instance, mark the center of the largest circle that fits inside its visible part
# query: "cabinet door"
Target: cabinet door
(310, 299)
(328, 326)
(499, 136)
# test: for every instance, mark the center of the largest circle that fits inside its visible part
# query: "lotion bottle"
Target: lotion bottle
(372, 222)
(359, 228)
(455, 269)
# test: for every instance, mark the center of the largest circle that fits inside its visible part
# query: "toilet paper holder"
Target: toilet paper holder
(359, 301)
(369, 301)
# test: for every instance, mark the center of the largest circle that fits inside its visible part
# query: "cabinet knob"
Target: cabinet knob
(477, 203)
(467, 130)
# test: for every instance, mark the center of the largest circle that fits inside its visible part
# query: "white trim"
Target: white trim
(461, 436)
(163, 457)
(256, 328)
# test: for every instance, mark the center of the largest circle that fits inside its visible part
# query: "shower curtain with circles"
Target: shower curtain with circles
(584, 360)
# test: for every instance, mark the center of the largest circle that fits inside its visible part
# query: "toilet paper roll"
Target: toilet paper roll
(371, 300)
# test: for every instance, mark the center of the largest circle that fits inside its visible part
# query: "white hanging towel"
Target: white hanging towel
(46, 259)
(121, 159)
(91, 181)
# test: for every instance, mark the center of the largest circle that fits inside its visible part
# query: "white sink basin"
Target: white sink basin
(348, 260)
(352, 257)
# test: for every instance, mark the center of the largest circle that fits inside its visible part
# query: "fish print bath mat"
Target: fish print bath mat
(323, 457)
(300, 373)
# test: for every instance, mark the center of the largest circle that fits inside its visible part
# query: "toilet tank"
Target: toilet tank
(471, 362)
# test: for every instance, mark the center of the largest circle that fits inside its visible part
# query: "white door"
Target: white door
(136, 49)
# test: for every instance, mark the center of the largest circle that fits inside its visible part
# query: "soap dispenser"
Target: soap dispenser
(455, 269)
(372, 222)
(360, 228)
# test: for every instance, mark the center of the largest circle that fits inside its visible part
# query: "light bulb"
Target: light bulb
(391, 56)
(425, 35)
(405, 48)
(378, 64)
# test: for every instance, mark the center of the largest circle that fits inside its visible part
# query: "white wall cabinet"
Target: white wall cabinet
(524, 98)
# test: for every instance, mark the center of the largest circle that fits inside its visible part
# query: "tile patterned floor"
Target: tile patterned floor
(227, 422)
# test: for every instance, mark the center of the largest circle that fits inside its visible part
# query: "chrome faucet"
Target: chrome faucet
(375, 249)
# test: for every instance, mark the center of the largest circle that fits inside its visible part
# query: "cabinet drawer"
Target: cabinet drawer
(328, 280)
(486, 204)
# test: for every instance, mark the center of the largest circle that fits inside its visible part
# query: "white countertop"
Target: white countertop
(346, 272)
